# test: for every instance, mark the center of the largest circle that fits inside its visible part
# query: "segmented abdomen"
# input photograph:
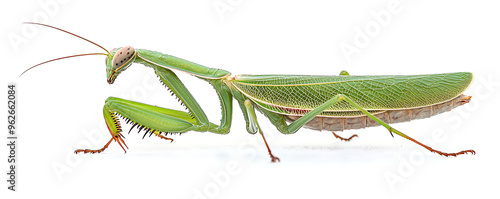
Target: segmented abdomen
(389, 116)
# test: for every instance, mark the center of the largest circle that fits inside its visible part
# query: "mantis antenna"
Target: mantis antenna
(107, 52)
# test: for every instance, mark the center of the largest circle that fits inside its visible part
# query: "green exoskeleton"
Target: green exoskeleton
(290, 102)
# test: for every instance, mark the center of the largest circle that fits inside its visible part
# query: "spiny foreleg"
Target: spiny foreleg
(151, 119)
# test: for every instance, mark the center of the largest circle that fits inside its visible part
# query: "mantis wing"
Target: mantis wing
(295, 95)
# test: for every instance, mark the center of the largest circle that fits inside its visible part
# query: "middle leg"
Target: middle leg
(255, 127)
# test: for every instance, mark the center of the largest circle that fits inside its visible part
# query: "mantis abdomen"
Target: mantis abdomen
(388, 116)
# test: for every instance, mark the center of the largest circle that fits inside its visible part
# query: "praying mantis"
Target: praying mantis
(290, 102)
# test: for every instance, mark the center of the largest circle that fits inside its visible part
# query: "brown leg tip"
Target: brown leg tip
(85, 151)
(344, 139)
(166, 138)
(472, 152)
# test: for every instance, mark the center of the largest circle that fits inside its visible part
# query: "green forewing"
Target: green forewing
(296, 93)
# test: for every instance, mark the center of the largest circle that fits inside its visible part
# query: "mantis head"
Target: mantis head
(117, 61)
(120, 60)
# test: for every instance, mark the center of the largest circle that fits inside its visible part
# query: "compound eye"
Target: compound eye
(123, 57)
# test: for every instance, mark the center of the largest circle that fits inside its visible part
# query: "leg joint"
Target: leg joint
(341, 97)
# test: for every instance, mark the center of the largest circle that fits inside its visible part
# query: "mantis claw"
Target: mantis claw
(118, 139)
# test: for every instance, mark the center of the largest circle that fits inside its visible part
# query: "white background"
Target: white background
(60, 104)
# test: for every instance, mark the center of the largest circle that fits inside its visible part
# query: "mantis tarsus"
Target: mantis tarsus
(333, 103)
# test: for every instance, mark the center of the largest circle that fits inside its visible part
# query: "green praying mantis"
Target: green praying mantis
(290, 102)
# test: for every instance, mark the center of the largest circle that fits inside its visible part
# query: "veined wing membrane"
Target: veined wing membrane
(390, 92)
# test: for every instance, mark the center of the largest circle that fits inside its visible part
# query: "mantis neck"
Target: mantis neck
(153, 58)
